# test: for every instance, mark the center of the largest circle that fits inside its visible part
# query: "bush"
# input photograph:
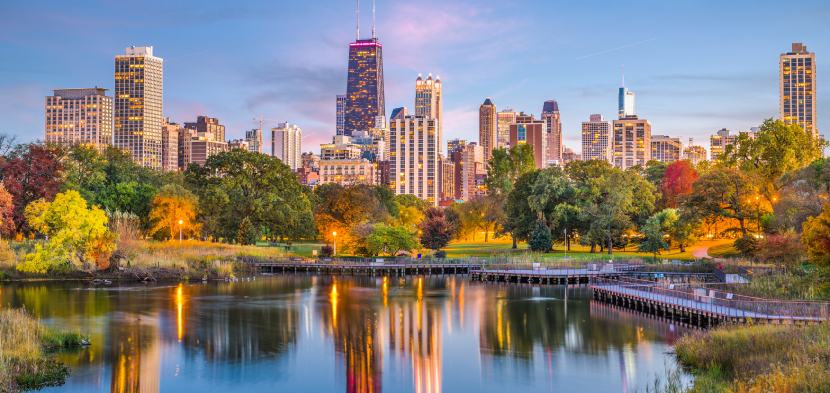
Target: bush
(540, 239)
(747, 244)
(781, 249)
(327, 251)
(440, 254)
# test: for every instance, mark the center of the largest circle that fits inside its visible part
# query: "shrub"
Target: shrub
(440, 254)
(327, 251)
(747, 244)
(540, 238)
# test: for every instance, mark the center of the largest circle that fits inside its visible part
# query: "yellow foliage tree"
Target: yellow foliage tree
(173, 204)
(77, 235)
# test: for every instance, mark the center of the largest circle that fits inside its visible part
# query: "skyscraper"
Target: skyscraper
(341, 114)
(468, 162)
(488, 129)
(632, 142)
(666, 149)
(79, 116)
(428, 98)
(170, 145)
(364, 88)
(286, 144)
(208, 125)
(596, 139)
(138, 100)
(797, 88)
(254, 139)
(626, 100)
(506, 118)
(553, 129)
(415, 148)
(399, 113)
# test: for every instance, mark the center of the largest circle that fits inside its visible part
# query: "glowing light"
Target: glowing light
(333, 297)
(179, 303)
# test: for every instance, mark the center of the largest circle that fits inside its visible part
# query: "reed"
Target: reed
(25, 345)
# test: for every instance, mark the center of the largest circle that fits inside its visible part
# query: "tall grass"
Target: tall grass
(760, 358)
(25, 343)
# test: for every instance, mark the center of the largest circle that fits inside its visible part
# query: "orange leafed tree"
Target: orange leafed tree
(678, 179)
(172, 204)
(6, 212)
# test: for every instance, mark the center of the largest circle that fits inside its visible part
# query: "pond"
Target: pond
(348, 334)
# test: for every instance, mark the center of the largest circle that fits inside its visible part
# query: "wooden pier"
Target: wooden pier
(376, 269)
(702, 310)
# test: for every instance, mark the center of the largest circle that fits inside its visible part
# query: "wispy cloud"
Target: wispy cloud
(610, 50)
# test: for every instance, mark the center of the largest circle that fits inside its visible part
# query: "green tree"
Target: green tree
(655, 231)
(540, 238)
(78, 235)
(776, 149)
(247, 234)
(725, 193)
(520, 218)
(505, 166)
(553, 199)
(388, 240)
(482, 213)
(343, 209)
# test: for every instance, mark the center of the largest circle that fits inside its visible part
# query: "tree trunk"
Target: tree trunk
(593, 248)
(514, 239)
(610, 239)
(567, 243)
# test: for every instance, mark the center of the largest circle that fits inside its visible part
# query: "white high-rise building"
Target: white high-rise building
(286, 144)
(414, 149)
(597, 139)
(428, 102)
(138, 102)
(341, 114)
(79, 116)
(254, 139)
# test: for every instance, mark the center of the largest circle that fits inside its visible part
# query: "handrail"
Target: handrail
(748, 307)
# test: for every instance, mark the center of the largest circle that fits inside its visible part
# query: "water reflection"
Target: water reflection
(352, 334)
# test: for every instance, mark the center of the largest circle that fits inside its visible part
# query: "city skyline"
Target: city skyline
(678, 90)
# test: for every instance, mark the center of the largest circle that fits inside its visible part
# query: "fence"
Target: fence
(719, 303)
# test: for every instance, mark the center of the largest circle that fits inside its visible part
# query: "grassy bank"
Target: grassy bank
(25, 346)
(758, 358)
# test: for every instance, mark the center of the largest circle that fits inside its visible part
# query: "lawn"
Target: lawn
(725, 250)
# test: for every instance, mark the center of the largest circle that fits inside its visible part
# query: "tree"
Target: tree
(677, 181)
(801, 194)
(654, 232)
(776, 149)
(172, 204)
(816, 237)
(505, 166)
(342, 209)
(726, 193)
(539, 239)
(388, 240)
(77, 235)
(783, 249)
(129, 197)
(482, 213)
(655, 172)
(6, 212)
(520, 218)
(238, 184)
(247, 234)
(84, 170)
(436, 231)
(553, 199)
(30, 172)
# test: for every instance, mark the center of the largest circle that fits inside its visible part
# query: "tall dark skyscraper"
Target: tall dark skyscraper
(364, 89)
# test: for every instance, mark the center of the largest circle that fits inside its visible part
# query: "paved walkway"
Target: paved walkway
(702, 251)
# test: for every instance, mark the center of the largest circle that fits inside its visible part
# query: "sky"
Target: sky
(695, 66)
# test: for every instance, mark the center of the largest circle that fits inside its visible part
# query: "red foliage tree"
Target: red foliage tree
(436, 230)
(677, 180)
(7, 226)
(30, 172)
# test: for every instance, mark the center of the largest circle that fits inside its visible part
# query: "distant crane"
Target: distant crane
(261, 118)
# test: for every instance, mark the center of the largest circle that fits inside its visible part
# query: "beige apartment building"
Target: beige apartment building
(137, 116)
(428, 103)
(254, 139)
(170, 145)
(797, 87)
(597, 139)
(286, 144)
(488, 137)
(79, 116)
(414, 157)
(347, 172)
(341, 148)
(695, 154)
(447, 178)
(632, 142)
(666, 149)
(505, 119)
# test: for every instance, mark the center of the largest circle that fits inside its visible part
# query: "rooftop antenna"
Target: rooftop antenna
(373, 19)
(623, 71)
(358, 20)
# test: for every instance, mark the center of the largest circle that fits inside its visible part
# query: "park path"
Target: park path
(702, 251)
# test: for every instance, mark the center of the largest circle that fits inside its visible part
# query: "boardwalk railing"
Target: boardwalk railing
(704, 299)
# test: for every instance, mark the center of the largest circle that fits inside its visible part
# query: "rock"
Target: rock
(84, 342)
(121, 268)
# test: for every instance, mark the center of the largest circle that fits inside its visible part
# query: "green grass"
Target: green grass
(725, 250)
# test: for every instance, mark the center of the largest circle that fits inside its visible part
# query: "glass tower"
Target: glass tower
(364, 89)
(626, 103)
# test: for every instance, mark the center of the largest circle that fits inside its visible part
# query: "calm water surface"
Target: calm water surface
(348, 334)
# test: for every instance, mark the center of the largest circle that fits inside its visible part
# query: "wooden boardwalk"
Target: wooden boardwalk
(702, 310)
(380, 269)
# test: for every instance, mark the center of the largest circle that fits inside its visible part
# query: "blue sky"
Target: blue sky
(704, 65)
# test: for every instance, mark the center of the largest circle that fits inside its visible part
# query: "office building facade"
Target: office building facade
(254, 139)
(428, 102)
(632, 142)
(170, 145)
(341, 114)
(347, 172)
(341, 148)
(666, 149)
(415, 148)
(597, 139)
(207, 125)
(468, 161)
(528, 130)
(505, 119)
(553, 128)
(79, 116)
(364, 89)
(488, 129)
(137, 107)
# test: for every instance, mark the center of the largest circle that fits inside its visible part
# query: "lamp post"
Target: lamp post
(335, 242)
(180, 231)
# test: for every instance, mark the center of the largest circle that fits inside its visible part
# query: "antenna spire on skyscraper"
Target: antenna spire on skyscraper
(358, 19)
(373, 19)
(623, 75)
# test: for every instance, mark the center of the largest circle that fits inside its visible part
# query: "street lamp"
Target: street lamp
(335, 242)
(180, 231)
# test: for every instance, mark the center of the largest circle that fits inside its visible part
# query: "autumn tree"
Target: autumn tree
(482, 213)
(7, 226)
(724, 193)
(677, 181)
(436, 231)
(30, 172)
(78, 235)
(172, 204)
(342, 209)
(816, 237)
